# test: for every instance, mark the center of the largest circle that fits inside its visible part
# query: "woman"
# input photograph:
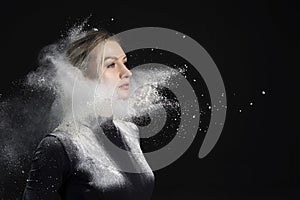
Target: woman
(77, 160)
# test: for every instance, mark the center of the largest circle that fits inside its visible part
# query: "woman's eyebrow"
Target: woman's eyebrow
(114, 57)
(110, 57)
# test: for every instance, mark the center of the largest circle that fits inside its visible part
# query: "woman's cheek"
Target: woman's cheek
(110, 79)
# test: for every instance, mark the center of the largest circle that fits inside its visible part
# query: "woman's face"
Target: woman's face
(115, 75)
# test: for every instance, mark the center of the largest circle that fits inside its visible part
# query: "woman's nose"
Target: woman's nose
(124, 71)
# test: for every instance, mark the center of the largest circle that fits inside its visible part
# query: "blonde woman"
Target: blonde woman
(73, 162)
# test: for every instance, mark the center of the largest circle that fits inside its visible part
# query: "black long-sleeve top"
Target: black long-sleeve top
(53, 174)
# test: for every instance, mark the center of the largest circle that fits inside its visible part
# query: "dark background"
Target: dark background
(254, 45)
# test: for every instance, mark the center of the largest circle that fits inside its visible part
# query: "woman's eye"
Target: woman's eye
(111, 65)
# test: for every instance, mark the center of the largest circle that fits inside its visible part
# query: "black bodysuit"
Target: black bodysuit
(53, 176)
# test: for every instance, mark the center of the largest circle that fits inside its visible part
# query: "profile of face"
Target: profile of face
(115, 76)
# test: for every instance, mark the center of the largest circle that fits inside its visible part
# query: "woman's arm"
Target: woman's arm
(50, 165)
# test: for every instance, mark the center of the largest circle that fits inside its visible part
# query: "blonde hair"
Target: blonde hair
(86, 52)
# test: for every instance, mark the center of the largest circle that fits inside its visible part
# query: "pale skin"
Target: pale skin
(115, 75)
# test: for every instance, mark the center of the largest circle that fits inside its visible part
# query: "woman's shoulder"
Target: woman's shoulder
(58, 138)
(60, 144)
(50, 144)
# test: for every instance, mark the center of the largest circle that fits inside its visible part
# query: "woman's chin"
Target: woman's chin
(124, 95)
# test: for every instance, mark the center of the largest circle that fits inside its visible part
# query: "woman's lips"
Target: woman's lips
(124, 86)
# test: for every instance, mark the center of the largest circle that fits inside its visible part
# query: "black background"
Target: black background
(254, 45)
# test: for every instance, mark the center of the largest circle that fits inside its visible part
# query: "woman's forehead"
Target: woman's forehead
(113, 49)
